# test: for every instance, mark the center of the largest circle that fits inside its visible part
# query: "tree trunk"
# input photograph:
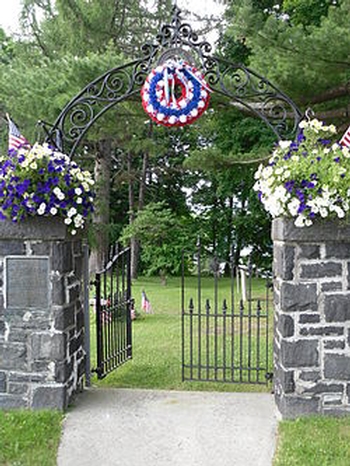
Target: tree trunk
(134, 244)
(229, 238)
(101, 216)
(142, 189)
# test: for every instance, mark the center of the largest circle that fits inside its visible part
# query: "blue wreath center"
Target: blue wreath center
(193, 104)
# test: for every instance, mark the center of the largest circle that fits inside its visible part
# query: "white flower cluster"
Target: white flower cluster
(306, 179)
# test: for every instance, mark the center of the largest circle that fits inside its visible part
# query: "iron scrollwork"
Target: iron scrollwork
(245, 88)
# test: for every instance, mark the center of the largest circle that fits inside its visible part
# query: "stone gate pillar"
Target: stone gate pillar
(312, 318)
(41, 314)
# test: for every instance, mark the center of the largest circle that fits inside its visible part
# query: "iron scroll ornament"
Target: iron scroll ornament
(245, 88)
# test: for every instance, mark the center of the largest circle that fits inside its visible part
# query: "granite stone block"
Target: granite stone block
(337, 307)
(303, 353)
(337, 367)
(298, 297)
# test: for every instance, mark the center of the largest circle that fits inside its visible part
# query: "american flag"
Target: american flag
(16, 140)
(106, 311)
(145, 304)
(345, 140)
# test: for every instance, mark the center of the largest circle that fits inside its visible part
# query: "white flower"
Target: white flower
(257, 174)
(67, 221)
(33, 165)
(268, 171)
(53, 211)
(284, 144)
(57, 191)
(293, 207)
(316, 124)
(72, 211)
(79, 200)
(73, 232)
(78, 191)
(299, 221)
(340, 212)
(42, 208)
(79, 221)
(346, 152)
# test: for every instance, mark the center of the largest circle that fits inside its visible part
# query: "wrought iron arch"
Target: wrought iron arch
(246, 88)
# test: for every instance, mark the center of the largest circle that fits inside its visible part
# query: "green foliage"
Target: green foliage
(40, 90)
(29, 438)
(314, 441)
(81, 26)
(163, 235)
(308, 12)
(7, 47)
(302, 61)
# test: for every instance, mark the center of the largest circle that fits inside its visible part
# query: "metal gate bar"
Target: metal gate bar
(225, 343)
(113, 314)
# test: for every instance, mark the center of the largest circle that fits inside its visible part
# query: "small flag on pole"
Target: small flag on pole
(16, 140)
(145, 304)
(345, 140)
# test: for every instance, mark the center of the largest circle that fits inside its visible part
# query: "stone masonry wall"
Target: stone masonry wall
(312, 318)
(41, 314)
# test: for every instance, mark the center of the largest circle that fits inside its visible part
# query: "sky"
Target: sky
(9, 11)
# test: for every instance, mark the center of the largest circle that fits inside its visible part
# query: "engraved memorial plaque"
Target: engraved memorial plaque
(27, 282)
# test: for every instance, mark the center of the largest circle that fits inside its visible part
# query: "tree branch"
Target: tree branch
(340, 91)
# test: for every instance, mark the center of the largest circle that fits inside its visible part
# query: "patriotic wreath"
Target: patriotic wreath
(175, 94)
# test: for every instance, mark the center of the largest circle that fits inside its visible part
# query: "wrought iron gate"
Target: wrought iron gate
(226, 338)
(113, 314)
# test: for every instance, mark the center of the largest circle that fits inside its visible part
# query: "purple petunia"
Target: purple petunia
(23, 187)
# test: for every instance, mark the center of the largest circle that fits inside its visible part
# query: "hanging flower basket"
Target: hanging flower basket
(307, 179)
(40, 181)
(175, 94)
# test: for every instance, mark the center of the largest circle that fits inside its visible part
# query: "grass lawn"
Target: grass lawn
(29, 438)
(156, 359)
(315, 441)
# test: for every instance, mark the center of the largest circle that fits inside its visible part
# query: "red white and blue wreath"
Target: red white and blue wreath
(162, 100)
